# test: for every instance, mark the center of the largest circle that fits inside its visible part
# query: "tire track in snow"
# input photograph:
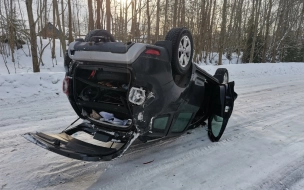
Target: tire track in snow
(286, 177)
(169, 162)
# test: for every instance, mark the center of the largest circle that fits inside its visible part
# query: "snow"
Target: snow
(213, 57)
(23, 62)
(262, 147)
(30, 84)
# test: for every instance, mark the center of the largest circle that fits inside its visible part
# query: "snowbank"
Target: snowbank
(23, 62)
(241, 71)
(50, 83)
(30, 84)
(213, 57)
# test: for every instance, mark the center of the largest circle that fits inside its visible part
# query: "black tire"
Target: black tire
(220, 75)
(99, 32)
(176, 36)
(215, 132)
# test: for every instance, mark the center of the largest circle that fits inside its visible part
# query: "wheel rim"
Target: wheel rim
(184, 51)
(225, 80)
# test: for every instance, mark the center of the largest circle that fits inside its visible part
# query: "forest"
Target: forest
(254, 31)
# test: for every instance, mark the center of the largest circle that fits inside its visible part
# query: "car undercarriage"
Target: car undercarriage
(124, 92)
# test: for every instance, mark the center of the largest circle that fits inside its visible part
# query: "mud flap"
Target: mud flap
(65, 145)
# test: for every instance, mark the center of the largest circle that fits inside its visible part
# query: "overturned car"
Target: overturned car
(138, 91)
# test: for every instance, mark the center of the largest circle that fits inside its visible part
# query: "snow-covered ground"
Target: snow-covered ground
(23, 60)
(262, 147)
(213, 57)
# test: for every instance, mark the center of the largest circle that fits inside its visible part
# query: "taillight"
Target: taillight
(152, 52)
(65, 85)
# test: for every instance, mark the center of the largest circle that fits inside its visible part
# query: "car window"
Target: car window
(181, 122)
(160, 123)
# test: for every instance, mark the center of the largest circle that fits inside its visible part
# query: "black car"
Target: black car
(138, 91)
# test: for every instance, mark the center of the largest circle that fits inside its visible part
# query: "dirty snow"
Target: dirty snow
(262, 147)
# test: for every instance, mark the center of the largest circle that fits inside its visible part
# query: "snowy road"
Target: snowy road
(262, 147)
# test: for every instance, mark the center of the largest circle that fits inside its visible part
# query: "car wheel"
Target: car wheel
(222, 75)
(99, 32)
(182, 49)
(216, 127)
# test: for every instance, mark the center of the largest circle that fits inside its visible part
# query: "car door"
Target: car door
(221, 107)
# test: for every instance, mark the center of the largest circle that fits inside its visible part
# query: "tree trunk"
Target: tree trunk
(132, 20)
(178, 13)
(45, 20)
(165, 27)
(148, 23)
(11, 30)
(157, 20)
(183, 15)
(108, 14)
(33, 37)
(126, 23)
(211, 27)
(278, 31)
(91, 20)
(98, 9)
(53, 33)
(62, 20)
(62, 35)
(78, 22)
(267, 32)
(200, 44)
(175, 13)
(223, 31)
(70, 22)
(257, 13)
(239, 29)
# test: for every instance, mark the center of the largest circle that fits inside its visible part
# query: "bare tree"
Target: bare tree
(256, 20)
(62, 35)
(157, 20)
(53, 32)
(108, 14)
(70, 22)
(98, 18)
(148, 23)
(91, 20)
(175, 13)
(223, 31)
(259, 28)
(33, 38)
(267, 31)
(62, 29)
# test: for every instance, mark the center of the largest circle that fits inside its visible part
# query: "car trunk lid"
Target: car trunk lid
(65, 144)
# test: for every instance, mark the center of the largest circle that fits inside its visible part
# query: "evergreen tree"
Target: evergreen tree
(249, 40)
(291, 52)
(258, 48)
(301, 54)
